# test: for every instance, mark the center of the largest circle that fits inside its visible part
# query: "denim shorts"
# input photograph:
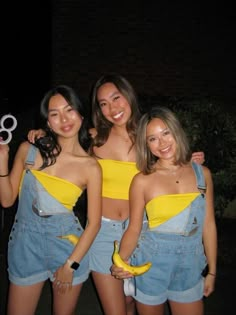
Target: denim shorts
(177, 264)
(100, 253)
(35, 252)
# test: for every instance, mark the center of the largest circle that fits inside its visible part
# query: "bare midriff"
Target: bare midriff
(115, 209)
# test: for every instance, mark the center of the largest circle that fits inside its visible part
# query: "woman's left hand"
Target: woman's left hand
(209, 285)
(63, 278)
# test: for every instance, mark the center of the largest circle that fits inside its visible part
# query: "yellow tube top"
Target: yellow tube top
(62, 190)
(164, 207)
(117, 177)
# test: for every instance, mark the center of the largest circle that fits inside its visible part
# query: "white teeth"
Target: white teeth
(118, 115)
(164, 150)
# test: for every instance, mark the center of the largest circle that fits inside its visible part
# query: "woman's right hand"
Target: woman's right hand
(35, 134)
(119, 273)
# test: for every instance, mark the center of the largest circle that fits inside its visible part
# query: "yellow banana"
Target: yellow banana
(134, 270)
(71, 238)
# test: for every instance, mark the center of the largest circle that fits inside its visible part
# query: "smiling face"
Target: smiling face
(160, 140)
(63, 119)
(113, 104)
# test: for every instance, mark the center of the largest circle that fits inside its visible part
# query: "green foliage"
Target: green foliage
(212, 130)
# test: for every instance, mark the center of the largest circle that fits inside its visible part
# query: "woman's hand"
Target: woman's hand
(4, 148)
(198, 157)
(35, 134)
(63, 279)
(119, 273)
(4, 155)
(209, 285)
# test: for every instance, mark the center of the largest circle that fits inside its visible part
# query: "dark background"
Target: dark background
(175, 50)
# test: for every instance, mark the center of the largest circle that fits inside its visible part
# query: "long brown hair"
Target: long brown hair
(101, 124)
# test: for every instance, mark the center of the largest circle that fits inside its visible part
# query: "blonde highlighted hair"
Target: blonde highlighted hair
(145, 159)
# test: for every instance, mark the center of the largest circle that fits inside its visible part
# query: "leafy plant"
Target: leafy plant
(212, 130)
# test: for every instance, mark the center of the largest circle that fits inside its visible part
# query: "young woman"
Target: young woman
(115, 115)
(50, 177)
(181, 238)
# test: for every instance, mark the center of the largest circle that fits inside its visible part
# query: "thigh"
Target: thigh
(144, 309)
(111, 293)
(24, 299)
(193, 308)
(65, 304)
(100, 252)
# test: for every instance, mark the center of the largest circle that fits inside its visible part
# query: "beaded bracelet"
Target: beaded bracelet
(212, 274)
(4, 175)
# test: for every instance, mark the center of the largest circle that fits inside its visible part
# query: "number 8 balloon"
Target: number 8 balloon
(7, 130)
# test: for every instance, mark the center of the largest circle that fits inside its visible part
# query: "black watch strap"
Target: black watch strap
(73, 264)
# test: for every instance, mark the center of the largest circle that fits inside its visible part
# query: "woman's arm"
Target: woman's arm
(9, 185)
(210, 235)
(131, 235)
(137, 204)
(94, 210)
(64, 274)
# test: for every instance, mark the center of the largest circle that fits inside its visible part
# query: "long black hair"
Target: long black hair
(48, 145)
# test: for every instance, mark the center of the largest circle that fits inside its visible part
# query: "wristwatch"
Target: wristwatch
(73, 264)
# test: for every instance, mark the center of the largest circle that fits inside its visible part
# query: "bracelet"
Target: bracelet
(212, 274)
(4, 175)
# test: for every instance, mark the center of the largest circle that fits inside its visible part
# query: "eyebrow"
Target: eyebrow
(56, 109)
(111, 95)
(153, 135)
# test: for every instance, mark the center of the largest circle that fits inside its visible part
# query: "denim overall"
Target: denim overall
(177, 255)
(100, 254)
(35, 251)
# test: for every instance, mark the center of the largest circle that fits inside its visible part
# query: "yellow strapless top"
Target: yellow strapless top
(117, 176)
(163, 208)
(62, 190)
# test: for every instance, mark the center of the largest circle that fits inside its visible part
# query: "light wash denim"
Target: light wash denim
(100, 254)
(35, 251)
(176, 251)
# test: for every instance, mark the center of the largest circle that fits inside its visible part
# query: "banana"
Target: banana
(134, 270)
(71, 238)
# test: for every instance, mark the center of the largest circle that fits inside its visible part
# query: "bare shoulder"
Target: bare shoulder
(206, 172)
(23, 149)
(139, 179)
(93, 132)
(21, 153)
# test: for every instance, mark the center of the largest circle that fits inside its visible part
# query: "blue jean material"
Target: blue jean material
(177, 257)
(100, 254)
(34, 249)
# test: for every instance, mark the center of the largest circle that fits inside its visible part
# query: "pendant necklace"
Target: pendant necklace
(173, 172)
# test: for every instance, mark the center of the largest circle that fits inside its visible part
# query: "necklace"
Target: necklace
(173, 171)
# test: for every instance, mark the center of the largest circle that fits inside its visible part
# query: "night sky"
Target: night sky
(29, 46)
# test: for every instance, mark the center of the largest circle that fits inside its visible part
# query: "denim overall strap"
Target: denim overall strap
(200, 176)
(31, 155)
(184, 222)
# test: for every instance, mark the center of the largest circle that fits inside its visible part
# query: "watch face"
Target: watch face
(75, 265)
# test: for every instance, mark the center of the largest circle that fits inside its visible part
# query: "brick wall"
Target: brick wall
(163, 50)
